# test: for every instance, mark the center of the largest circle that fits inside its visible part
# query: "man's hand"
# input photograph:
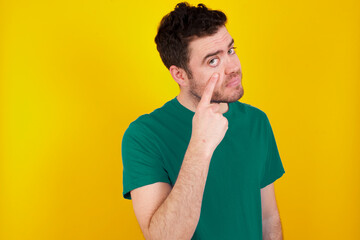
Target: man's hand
(209, 125)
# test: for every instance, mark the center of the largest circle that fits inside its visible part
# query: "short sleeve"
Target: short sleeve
(273, 168)
(142, 163)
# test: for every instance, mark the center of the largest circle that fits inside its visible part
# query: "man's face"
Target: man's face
(212, 54)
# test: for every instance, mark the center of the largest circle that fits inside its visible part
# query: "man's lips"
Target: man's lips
(233, 82)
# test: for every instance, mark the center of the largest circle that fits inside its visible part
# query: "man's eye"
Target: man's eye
(213, 62)
(232, 50)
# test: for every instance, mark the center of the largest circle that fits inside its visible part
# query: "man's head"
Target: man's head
(194, 44)
(179, 27)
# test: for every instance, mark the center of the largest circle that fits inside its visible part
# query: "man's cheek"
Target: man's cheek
(222, 80)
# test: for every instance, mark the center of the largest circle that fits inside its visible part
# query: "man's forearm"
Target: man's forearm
(272, 229)
(179, 214)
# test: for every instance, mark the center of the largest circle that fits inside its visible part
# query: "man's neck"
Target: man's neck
(191, 103)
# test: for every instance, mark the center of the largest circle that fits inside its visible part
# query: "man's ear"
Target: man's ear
(179, 75)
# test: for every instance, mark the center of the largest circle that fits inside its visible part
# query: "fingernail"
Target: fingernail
(216, 75)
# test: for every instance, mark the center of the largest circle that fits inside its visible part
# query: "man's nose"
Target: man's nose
(232, 66)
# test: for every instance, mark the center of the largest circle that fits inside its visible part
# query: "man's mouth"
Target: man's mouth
(234, 81)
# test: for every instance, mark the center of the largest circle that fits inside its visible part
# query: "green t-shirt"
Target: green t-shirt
(246, 160)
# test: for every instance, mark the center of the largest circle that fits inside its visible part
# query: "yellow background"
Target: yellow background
(74, 74)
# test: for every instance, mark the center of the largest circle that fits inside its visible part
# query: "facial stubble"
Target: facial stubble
(218, 97)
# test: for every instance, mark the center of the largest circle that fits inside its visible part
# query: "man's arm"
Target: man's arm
(173, 213)
(272, 229)
(165, 213)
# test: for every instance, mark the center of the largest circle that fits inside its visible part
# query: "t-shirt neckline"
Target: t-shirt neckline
(190, 113)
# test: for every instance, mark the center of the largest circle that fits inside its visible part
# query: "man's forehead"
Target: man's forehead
(203, 45)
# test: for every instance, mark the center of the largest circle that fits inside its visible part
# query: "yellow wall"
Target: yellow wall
(74, 74)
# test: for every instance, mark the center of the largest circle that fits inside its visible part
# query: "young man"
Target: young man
(203, 165)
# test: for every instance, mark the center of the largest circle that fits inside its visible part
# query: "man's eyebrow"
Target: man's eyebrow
(231, 43)
(217, 52)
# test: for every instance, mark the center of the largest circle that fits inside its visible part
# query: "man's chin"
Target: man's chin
(239, 95)
(230, 99)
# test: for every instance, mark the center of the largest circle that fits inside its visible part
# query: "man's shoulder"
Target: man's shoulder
(250, 110)
(149, 120)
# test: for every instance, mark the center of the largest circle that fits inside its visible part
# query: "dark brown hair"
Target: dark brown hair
(180, 26)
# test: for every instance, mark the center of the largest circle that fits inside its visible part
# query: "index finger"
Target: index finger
(209, 89)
